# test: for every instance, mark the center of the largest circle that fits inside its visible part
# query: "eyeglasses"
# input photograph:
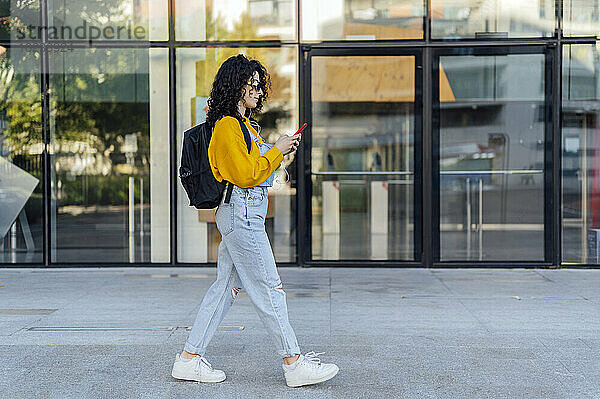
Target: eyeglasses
(254, 86)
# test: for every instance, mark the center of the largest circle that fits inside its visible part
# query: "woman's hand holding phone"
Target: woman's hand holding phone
(288, 144)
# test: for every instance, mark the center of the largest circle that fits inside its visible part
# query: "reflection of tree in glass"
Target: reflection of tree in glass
(20, 116)
(243, 29)
(101, 14)
(216, 27)
(15, 15)
(20, 104)
(93, 113)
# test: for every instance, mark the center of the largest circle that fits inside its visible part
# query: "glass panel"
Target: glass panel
(491, 19)
(581, 18)
(16, 19)
(491, 151)
(21, 148)
(107, 20)
(362, 20)
(581, 154)
(109, 114)
(246, 20)
(198, 236)
(363, 157)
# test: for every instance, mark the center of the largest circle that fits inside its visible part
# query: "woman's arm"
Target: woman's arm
(228, 154)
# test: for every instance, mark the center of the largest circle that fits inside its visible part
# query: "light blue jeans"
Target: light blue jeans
(245, 260)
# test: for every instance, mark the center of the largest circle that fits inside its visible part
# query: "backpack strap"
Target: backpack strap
(246, 134)
(249, 145)
(229, 191)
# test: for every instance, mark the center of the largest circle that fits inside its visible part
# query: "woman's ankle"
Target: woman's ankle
(290, 360)
(187, 355)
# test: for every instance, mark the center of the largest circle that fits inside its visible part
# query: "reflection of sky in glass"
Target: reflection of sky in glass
(230, 11)
(580, 18)
(357, 20)
(493, 77)
(504, 18)
(235, 20)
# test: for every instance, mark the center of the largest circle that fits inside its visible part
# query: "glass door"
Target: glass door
(492, 129)
(365, 116)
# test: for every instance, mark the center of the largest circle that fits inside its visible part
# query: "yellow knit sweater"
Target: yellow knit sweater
(229, 158)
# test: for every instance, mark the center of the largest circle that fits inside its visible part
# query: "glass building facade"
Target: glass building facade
(441, 133)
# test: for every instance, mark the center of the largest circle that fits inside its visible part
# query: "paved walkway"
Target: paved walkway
(395, 333)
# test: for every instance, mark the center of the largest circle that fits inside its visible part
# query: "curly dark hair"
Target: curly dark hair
(227, 88)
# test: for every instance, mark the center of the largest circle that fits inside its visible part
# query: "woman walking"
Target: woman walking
(245, 258)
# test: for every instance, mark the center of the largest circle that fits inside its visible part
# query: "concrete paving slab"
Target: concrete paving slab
(395, 333)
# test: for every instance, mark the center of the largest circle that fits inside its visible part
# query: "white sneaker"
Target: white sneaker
(197, 369)
(309, 370)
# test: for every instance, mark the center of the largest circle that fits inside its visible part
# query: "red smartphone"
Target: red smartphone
(301, 129)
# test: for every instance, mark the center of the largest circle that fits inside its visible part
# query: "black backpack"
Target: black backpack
(203, 190)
